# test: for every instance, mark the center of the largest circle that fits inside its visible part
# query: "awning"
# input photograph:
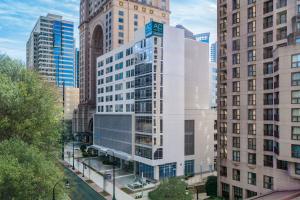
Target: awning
(109, 151)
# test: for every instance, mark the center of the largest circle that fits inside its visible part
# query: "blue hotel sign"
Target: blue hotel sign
(154, 29)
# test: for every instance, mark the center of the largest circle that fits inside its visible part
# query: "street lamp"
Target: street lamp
(114, 180)
(67, 184)
(73, 167)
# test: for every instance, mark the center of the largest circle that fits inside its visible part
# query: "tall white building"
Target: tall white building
(153, 104)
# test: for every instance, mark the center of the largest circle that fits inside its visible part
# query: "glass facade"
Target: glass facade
(63, 54)
(145, 170)
(167, 170)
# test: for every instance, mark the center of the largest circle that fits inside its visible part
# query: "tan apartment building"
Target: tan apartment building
(104, 26)
(258, 97)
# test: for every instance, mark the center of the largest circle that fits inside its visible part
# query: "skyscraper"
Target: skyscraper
(50, 50)
(105, 25)
(258, 97)
(213, 52)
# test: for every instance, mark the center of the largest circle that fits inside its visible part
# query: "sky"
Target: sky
(18, 17)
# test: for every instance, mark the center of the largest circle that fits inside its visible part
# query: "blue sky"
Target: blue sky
(18, 17)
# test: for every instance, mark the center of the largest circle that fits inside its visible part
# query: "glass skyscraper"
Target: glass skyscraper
(50, 50)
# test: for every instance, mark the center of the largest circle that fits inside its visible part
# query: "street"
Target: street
(79, 189)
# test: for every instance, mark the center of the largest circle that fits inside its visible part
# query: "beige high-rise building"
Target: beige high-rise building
(258, 97)
(104, 26)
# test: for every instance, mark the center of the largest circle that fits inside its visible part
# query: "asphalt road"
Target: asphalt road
(79, 190)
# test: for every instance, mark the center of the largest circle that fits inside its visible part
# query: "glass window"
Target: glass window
(237, 193)
(252, 158)
(296, 61)
(295, 151)
(236, 174)
(295, 97)
(189, 137)
(268, 182)
(236, 156)
(236, 142)
(297, 168)
(295, 114)
(251, 70)
(295, 133)
(189, 167)
(252, 143)
(167, 170)
(251, 178)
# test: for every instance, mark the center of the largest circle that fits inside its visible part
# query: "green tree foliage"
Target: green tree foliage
(171, 189)
(26, 173)
(29, 108)
(211, 186)
(30, 129)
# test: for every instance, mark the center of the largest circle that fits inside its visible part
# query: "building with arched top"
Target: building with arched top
(104, 26)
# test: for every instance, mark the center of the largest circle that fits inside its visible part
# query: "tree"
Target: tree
(29, 108)
(170, 189)
(211, 186)
(26, 173)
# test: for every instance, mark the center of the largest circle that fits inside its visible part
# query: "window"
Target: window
(251, 99)
(251, 114)
(167, 170)
(236, 128)
(236, 100)
(235, 4)
(268, 129)
(251, 55)
(236, 142)
(296, 97)
(236, 156)
(236, 59)
(281, 17)
(268, 114)
(252, 85)
(281, 33)
(252, 129)
(268, 182)
(268, 52)
(225, 190)
(235, 18)
(189, 167)
(268, 6)
(236, 72)
(282, 165)
(268, 145)
(268, 99)
(251, 27)
(236, 114)
(295, 114)
(251, 194)
(236, 86)
(251, 12)
(236, 31)
(295, 151)
(189, 137)
(251, 70)
(251, 1)
(251, 41)
(268, 22)
(295, 133)
(251, 178)
(268, 83)
(252, 158)
(296, 79)
(237, 193)
(268, 37)
(223, 171)
(252, 143)
(268, 161)
(281, 3)
(236, 45)
(236, 174)
(297, 168)
(296, 61)
(268, 68)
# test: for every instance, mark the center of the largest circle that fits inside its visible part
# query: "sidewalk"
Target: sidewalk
(95, 187)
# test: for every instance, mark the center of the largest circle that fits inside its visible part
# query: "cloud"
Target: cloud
(18, 18)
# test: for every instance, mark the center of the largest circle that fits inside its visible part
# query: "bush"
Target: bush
(211, 186)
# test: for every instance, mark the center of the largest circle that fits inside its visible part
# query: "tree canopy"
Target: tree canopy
(26, 173)
(170, 189)
(30, 129)
(29, 108)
